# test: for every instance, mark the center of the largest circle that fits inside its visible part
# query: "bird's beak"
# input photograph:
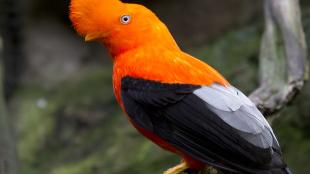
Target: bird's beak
(92, 37)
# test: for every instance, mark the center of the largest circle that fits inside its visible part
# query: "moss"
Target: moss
(34, 124)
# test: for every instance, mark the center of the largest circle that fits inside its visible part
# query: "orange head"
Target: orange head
(120, 26)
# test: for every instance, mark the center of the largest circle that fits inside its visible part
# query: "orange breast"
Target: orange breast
(163, 66)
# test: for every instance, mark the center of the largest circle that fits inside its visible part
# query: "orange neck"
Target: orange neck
(163, 65)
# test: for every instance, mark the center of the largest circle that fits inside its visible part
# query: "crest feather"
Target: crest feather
(88, 15)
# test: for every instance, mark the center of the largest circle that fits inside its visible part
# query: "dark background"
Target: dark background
(59, 93)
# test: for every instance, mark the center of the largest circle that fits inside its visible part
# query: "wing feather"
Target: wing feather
(233, 107)
(213, 124)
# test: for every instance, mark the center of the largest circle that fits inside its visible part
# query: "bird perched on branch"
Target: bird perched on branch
(175, 100)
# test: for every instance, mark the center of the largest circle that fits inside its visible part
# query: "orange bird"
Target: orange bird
(175, 100)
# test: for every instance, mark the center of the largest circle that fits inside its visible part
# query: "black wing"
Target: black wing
(211, 124)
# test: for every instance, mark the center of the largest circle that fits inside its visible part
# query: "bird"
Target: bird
(175, 100)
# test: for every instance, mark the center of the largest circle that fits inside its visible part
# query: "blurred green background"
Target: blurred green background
(60, 97)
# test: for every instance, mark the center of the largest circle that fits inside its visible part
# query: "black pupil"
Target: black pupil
(126, 19)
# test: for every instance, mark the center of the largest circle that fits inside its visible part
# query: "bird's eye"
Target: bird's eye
(125, 19)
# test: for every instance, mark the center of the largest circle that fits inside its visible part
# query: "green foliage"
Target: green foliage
(81, 130)
(293, 129)
(235, 55)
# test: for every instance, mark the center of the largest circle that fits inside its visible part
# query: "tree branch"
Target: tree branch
(283, 67)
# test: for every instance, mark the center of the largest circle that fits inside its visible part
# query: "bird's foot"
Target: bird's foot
(178, 169)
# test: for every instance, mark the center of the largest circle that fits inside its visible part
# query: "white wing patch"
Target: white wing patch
(226, 99)
(235, 109)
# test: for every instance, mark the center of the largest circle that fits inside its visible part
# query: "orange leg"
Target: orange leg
(178, 169)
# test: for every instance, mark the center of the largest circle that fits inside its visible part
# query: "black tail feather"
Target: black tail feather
(287, 171)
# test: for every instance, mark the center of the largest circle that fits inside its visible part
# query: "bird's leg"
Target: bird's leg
(178, 169)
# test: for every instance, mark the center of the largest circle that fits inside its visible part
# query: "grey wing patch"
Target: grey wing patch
(235, 109)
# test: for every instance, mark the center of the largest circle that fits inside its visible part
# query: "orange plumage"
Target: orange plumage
(146, 39)
(177, 101)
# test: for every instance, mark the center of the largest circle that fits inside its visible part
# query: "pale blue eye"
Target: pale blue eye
(125, 19)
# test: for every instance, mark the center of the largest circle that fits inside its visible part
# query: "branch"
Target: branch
(283, 67)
